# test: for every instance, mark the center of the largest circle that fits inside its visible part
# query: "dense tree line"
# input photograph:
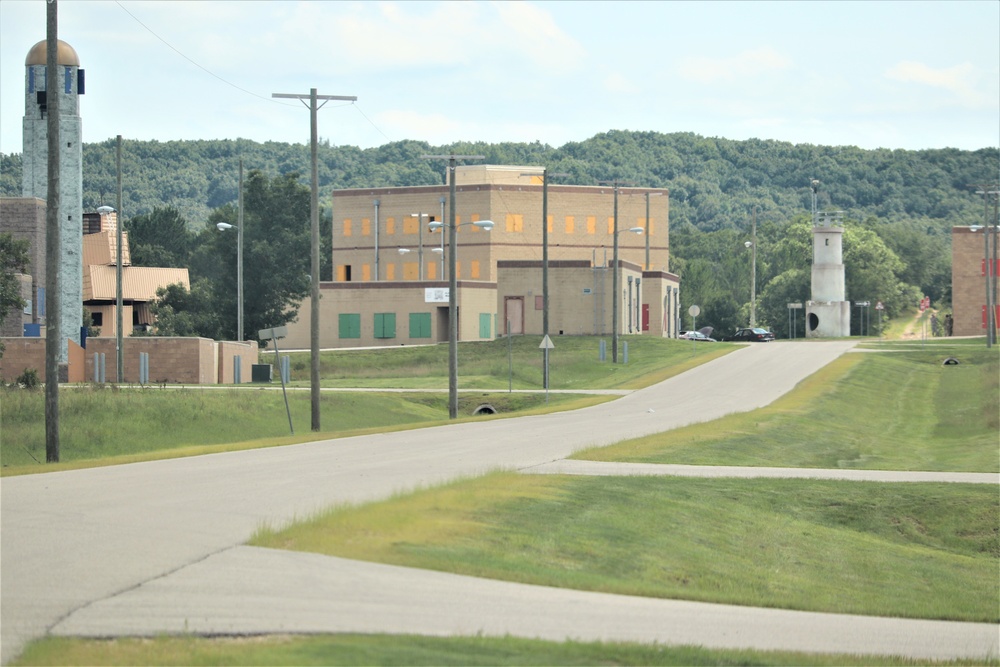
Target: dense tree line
(898, 204)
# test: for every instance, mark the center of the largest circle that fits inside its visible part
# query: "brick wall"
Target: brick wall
(173, 360)
(247, 353)
(968, 284)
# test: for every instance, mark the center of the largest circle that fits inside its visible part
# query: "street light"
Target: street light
(420, 245)
(119, 347)
(752, 244)
(614, 288)
(452, 306)
(223, 226)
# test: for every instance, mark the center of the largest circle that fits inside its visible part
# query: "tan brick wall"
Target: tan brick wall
(20, 354)
(172, 360)
(968, 284)
(247, 353)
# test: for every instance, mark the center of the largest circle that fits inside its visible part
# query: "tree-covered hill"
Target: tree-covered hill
(714, 183)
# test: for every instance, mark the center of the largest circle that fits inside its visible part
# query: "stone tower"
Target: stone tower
(828, 315)
(69, 85)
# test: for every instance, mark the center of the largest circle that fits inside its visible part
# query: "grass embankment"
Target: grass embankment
(352, 650)
(107, 425)
(893, 411)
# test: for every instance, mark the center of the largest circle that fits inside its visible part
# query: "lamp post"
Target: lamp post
(614, 273)
(452, 307)
(223, 226)
(420, 243)
(119, 350)
(648, 195)
(452, 304)
(752, 245)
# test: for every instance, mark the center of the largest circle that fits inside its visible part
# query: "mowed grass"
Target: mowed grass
(909, 550)
(573, 364)
(350, 650)
(108, 425)
(900, 410)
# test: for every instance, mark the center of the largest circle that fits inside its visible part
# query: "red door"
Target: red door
(645, 317)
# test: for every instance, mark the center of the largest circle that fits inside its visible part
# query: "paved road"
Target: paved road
(76, 545)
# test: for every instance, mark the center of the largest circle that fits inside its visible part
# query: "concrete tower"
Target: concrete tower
(69, 86)
(828, 315)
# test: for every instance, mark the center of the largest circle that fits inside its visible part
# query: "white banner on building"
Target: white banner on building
(436, 294)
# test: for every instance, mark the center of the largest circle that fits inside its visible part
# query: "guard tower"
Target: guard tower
(69, 85)
(828, 315)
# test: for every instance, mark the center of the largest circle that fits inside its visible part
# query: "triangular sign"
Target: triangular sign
(546, 344)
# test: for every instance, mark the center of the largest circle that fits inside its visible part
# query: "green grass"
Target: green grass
(99, 426)
(573, 364)
(793, 544)
(353, 649)
(893, 411)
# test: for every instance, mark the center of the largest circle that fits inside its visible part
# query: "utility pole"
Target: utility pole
(314, 241)
(452, 283)
(119, 305)
(990, 266)
(753, 272)
(53, 324)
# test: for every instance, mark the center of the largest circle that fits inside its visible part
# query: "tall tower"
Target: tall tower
(828, 315)
(69, 85)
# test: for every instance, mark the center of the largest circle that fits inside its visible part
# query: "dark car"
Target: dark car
(754, 335)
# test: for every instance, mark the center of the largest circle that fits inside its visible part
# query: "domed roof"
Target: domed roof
(66, 55)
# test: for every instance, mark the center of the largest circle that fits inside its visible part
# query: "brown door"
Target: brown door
(513, 314)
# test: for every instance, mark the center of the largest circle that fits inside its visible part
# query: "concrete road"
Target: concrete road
(73, 541)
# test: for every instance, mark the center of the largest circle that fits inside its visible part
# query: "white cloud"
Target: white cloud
(746, 64)
(960, 80)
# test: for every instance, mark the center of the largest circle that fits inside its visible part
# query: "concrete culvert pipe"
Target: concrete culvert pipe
(485, 409)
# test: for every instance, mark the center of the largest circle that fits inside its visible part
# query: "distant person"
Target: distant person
(949, 324)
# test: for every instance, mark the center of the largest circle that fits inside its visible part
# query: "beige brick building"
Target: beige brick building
(968, 281)
(388, 266)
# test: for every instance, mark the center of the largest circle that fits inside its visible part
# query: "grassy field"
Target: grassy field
(156, 422)
(824, 546)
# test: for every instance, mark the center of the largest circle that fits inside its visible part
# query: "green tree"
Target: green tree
(180, 312)
(159, 238)
(276, 260)
(13, 260)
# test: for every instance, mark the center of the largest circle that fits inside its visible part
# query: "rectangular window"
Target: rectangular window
(549, 222)
(411, 271)
(385, 325)
(420, 325)
(366, 272)
(570, 224)
(431, 271)
(611, 226)
(366, 227)
(390, 225)
(411, 226)
(390, 272)
(474, 269)
(485, 320)
(591, 225)
(458, 270)
(347, 227)
(349, 325)
(648, 226)
(342, 273)
(515, 222)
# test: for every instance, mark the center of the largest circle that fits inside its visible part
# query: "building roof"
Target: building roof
(139, 283)
(101, 248)
(65, 55)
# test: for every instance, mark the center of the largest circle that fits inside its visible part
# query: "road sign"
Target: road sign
(546, 344)
(694, 311)
(863, 304)
(275, 332)
(879, 306)
(795, 306)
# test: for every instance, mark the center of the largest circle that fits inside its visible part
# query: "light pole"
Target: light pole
(614, 274)
(452, 304)
(223, 226)
(119, 351)
(452, 286)
(752, 244)
(420, 244)
(648, 195)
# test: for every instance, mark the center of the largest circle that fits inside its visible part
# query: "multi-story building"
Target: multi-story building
(390, 267)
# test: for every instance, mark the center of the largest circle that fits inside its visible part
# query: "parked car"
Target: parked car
(748, 335)
(702, 335)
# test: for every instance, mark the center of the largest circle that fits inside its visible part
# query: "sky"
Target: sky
(899, 74)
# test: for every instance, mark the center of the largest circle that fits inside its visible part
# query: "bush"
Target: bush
(28, 379)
